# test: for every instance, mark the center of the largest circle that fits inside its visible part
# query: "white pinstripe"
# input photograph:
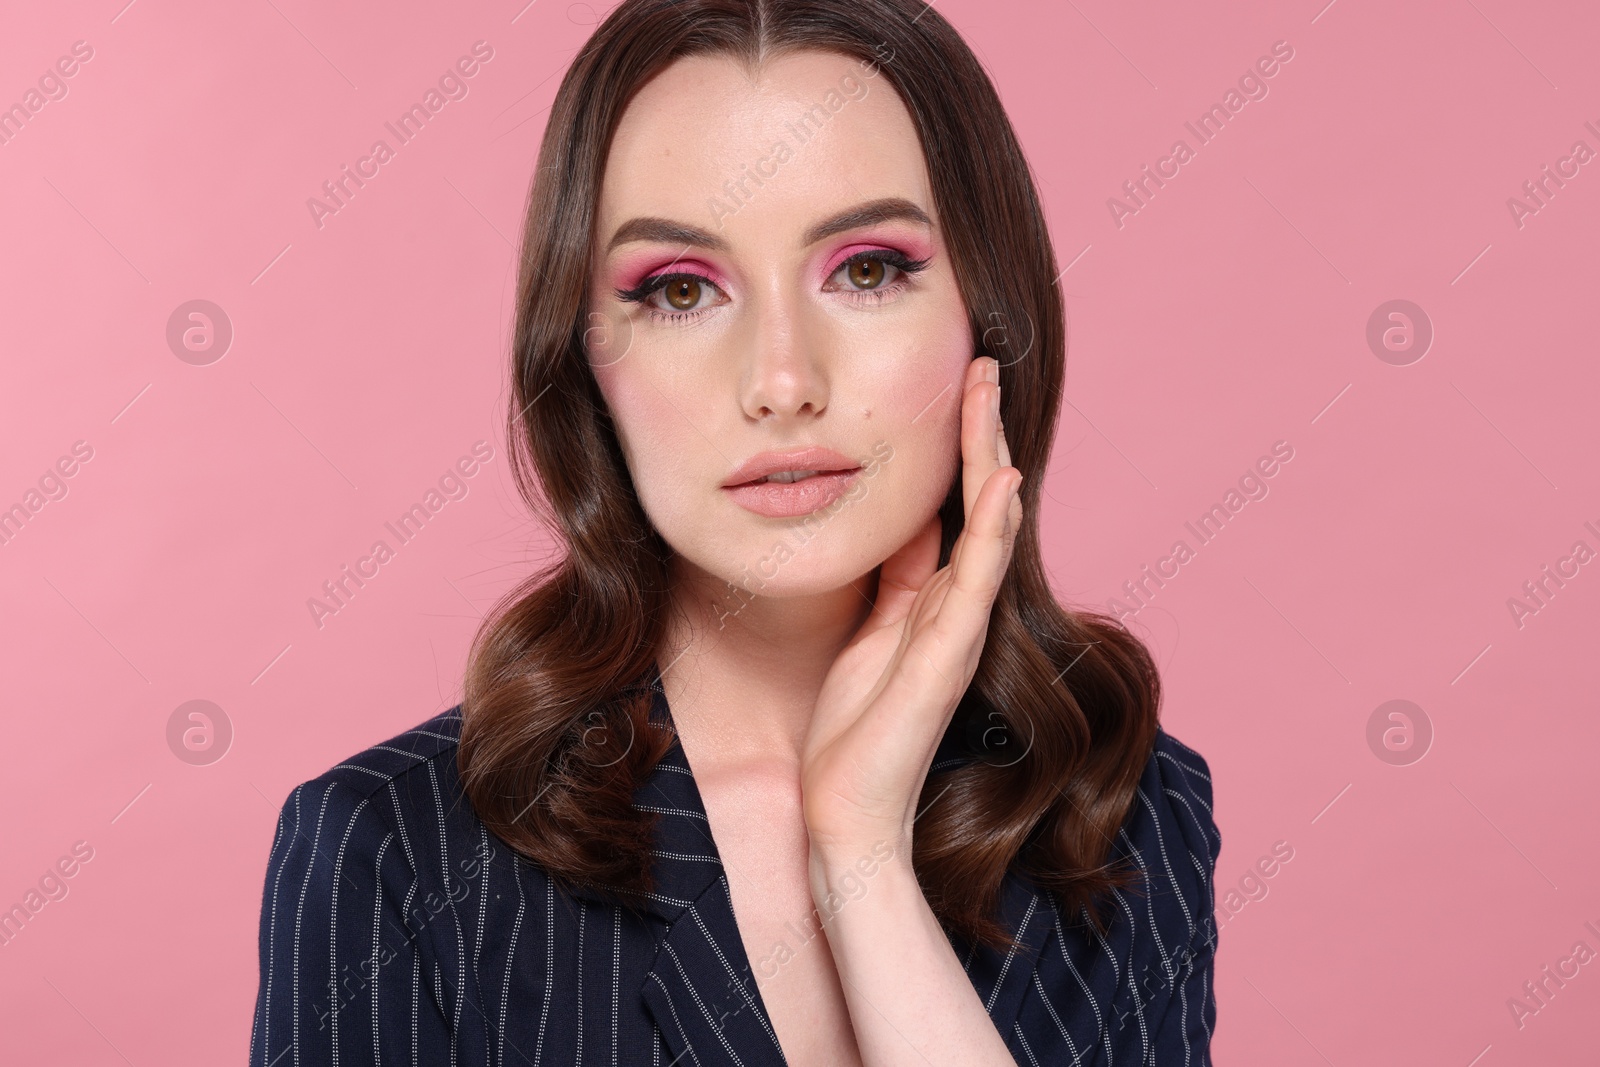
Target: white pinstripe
(549, 964)
(616, 983)
(688, 982)
(1161, 846)
(1053, 1005)
(511, 952)
(333, 924)
(1011, 954)
(583, 913)
(673, 1008)
(461, 948)
(1138, 1001)
(483, 911)
(1022, 1039)
(1088, 994)
(1149, 904)
(310, 866)
(749, 1001)
(1055, 1016)
(377, 913)
(272, 941)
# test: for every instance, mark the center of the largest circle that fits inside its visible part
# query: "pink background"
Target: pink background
(1229, 313)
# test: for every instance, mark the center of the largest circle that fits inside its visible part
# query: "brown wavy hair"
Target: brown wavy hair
(1062, 712)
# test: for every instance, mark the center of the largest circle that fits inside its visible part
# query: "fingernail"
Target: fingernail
(994, 405)
(992, 371)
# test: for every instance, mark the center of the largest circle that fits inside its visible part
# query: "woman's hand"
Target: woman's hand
(890, 694)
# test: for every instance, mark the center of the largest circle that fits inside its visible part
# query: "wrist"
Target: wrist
(844, 871)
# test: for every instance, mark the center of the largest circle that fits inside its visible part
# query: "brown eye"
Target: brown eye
(866, 273)
(683, 293)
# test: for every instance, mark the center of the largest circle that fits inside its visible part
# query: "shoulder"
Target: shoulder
(398, 759)
(365, 886)
(1143, 988)
(1169, 837)
(1171, 834)
(1184, 778)
(383, 805)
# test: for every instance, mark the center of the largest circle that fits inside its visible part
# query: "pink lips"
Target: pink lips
(835, 472)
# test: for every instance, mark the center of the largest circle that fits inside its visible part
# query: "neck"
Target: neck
(741, 672)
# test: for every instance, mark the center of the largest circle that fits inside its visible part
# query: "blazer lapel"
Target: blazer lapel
(700, 988)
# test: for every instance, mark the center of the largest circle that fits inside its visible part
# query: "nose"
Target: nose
(784, 374)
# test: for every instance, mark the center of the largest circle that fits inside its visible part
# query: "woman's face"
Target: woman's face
(771, 309)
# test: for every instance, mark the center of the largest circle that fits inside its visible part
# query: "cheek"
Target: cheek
(607, 339)
(921, 396)
(918, 412)
(664, 452)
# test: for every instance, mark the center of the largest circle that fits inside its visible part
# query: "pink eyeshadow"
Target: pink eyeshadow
(913, 247)
(636, 269)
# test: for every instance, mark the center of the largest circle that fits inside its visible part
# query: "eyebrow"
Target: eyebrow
(667, 231)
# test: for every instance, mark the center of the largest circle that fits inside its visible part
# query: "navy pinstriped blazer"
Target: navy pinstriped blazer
(395, 929)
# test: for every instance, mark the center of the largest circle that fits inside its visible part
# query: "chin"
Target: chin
(796, 560)
(782, 564)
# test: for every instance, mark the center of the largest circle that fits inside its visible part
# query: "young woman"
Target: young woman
(792, 757)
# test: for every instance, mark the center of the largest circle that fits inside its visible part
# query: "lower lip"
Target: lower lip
(781, 500)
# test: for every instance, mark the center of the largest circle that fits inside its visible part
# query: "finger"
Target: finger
(980, 421)
(1001, 447)
(964, 613)
(903, 574)
(1014, 516)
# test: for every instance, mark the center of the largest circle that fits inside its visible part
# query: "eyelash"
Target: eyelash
(642, 292)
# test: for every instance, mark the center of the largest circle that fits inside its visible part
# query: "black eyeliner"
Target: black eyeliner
(658, 281)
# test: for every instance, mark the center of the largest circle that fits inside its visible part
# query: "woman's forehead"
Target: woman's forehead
(706, 139)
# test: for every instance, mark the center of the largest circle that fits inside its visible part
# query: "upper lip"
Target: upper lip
(813, 458)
